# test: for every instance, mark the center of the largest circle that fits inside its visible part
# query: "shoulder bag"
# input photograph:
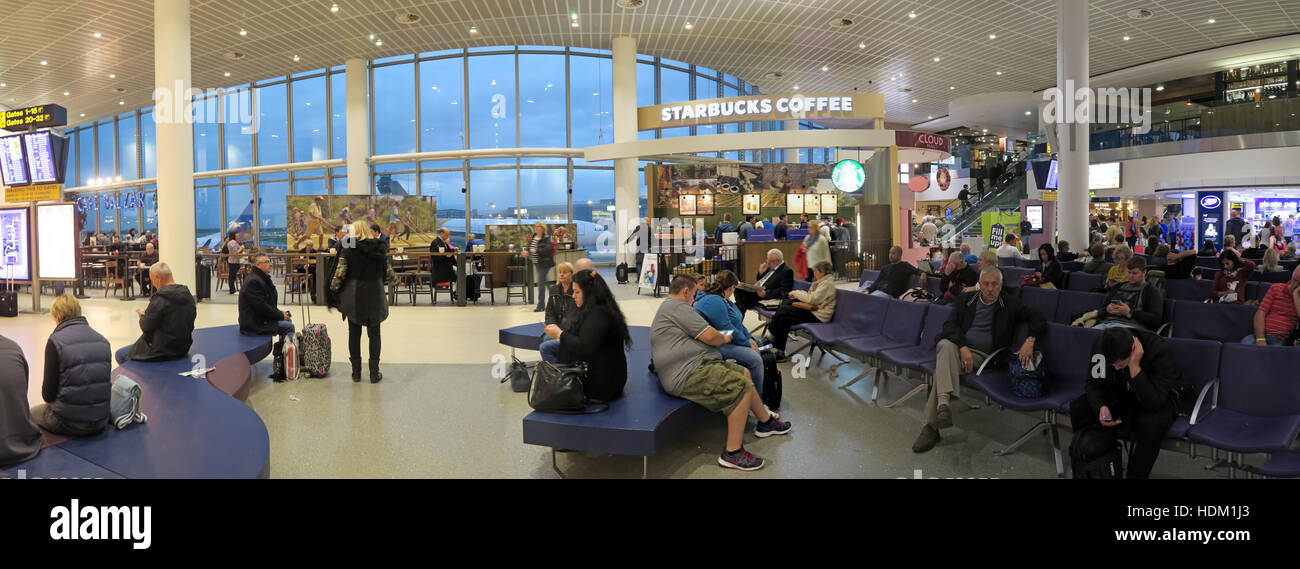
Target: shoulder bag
(557, 388)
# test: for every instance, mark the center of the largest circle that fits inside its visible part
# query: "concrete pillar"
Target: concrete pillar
(626, 194)
(358, 110)
(1072, 71)
(175, 135)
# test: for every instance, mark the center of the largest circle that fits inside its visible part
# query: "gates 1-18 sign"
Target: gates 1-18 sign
(35, 117)
(848, 176)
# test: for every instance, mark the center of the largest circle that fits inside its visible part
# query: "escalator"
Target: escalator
(1004, 195)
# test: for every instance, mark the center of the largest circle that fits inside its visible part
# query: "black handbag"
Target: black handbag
(557, 388)
(518, 376)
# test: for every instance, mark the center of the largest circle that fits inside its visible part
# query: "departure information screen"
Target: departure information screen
(13, 166)
(40, 158)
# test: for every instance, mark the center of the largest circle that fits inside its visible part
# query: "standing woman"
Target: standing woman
(234, 249)
(595, 333)
(819, 249)
(359, 280)
(541, 253)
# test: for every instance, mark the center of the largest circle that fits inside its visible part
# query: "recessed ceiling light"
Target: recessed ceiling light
(1126, 38)
(43, 62)
(1210, 21)
(911, 14)
(999, 73)
(97, 35)
(952, 88)
(913, 100)
(1027, 113)
(796, 87)
(993, 36)
(473, 29)
(379, 43)
(227, 74)
(83, 115)
(112, 76)
(825, 68)
(296, 58)
(1160, 87)
(243, 32)
(862, 45)
(986, 131)
(930, 117)
(574, 24)
(893, 78)
(689, 26)
(936, 60)
(121, 102)
(4, 84)
(334, 8)
(372, 37)
(65, 93)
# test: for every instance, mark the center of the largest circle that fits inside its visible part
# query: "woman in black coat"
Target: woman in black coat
(1051, 268)
(363, 269)
(596, 333)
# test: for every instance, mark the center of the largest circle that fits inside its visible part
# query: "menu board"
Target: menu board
(15, 252)
(13, 165)
(812, 204)
(704, 206)
(57, 235)
(1104, 176)
(40, 158)
(686, 204)
(794, 203)
(750, 204)
(830, 204)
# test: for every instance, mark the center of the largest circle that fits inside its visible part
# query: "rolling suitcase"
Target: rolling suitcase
(202, 282)
(771, 381)
(9, 300)
(314, 350)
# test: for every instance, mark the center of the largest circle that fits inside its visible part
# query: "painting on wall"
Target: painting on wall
(704, 205)
(409, 221)
(781, 178)
(751, 204)
(686, 204)
(517, 237)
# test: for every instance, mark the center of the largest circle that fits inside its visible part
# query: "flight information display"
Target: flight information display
(40, 158)
(13, 164)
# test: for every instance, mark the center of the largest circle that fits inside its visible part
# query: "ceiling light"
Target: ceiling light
(911, 14)
(1210, 21)
(1160, 87)
(993, 36)
(296, 58)
(913, 100)
(574, 24)
(243, 32)
(986, 131)
(796, 87)
(952, 88)
(473, 29)
(334, 8)
(121, 102)
(825, 68)
(936, 60)
(4, 84)
(1126, 38)
(83, 115)
(999, 73)
(689, 26)
(65, 93)
(372, 37)
(379, 43)
(96, 35)
(862, 45)
(43, 62)
(893, 78)
(112, 76)
(227, 74)
(1027, 113)
(930, 117)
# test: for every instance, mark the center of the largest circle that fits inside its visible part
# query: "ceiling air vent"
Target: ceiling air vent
(630, 4)
(904, 90)
(407, 18)
(1140, 14)
(773, 75)
(234, 55)
(841, 22)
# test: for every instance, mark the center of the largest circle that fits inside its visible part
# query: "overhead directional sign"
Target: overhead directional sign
(35, 117)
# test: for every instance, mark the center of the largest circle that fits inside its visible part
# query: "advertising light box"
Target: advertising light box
(56, 231)
(15, 251)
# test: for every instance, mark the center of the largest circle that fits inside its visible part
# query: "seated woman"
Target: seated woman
(1207, 250)
(1119, 272)
(596, 333)
(1159, 256)
(20, 440)
(1230, 284)
(722, 314)
(1230, 244)
(559, 305)
(1051, 271)
(817, 304)
(1270, 262)
(1289, 255)
(1097, 264)
(78, 362)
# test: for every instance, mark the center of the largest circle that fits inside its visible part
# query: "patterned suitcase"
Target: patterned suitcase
(314, 349)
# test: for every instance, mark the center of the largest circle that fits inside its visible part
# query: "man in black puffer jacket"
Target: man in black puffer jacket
(258, 313)
(78, 384)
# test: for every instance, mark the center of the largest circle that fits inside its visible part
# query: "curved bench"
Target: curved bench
(197, 428)
(636, 424)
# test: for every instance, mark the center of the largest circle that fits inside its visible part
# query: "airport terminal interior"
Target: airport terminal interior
(1097, 199)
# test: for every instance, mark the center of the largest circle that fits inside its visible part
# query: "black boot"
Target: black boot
(375, 376)
(356, 369)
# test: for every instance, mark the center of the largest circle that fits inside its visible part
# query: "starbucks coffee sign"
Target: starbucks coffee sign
(763, 108)
(848, 176)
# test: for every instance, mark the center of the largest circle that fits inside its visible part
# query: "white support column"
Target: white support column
(1072, 71)
(358, 109)
(175, 135)
(626, 189)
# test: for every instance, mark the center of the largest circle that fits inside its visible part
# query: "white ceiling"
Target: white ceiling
(747, 38)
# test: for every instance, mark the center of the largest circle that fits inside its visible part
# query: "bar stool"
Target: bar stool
(485, 279)
(518, 279)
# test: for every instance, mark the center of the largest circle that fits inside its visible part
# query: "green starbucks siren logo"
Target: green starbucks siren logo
(848, 175)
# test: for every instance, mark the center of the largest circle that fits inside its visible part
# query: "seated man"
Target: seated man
(1277, 314)
(817, 304)
(443, 261)
(167, 324)
(584, 264)
(258, 313)
(1134, 389)
(971, 258)
(957, 276)
(20, 440)
(1180, 265)
(1065, 255)
(894, 278)
(147, 259)
(1097, 264)
(980, 323)
(774, 281)
(1133, 303)
(685, 356)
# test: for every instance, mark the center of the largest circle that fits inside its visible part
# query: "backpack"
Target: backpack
(620, 273)
(1028, 382)
(124, 403)
(1095, 453)
(771, 381)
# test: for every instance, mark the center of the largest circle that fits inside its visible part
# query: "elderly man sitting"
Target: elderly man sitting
(167, 325)
(147, 259)
(981, 323)
(775, 281)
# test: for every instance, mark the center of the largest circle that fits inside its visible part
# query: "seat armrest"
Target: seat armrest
(991, 357)
(1200, 400)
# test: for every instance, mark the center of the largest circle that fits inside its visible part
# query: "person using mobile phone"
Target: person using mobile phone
(713, 303)
(1134, 390)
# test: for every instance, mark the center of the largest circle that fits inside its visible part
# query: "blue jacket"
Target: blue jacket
(722, 314)
(724, 227)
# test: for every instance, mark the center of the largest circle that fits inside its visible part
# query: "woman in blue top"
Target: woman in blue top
(722, 314)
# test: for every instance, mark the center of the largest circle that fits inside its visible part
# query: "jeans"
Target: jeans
(1272, 340)
(234, 276)
(120, 355)
(541, 285)
(747, 357)
(550, 350)
(285, 328)
(354, 342)
(45, 417)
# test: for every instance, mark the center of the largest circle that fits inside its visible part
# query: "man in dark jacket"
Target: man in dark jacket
(894, 278)
(779, 232)
(147, 259)
(964, 196)
(981, 323)
(258, 313)
(723, 227)
(78, 384)
(1235, 226)
(1134, 389)
(1134, 303)
(776, 280)
(167, 324)
(20, 440)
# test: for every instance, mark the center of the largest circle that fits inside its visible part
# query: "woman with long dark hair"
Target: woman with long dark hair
(1230, 283)
(596, 333)
(722, 314)
(359, 280)
(1050, 270)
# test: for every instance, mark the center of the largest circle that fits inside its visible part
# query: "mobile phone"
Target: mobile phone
(727, 332)
(765, 347)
